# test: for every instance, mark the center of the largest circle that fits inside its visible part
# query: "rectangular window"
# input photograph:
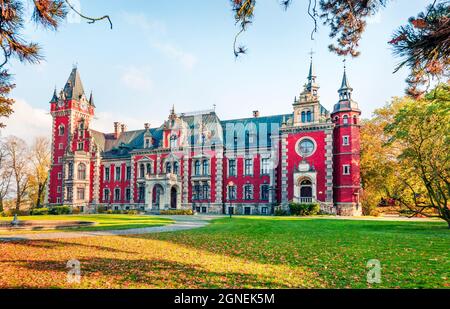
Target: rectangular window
(106, 195)
(59, 160)
(141, 193)
(58, 200)
(346, 169)
(265, 192)
(80, 146)
(69, 193)
(128, 172)
(58, 190)
(264, 210)
(117, 194)
(61, 146)
(232, 193)
(196, 192)
(232, 167)
(205, 191)
(80, 193)
(265, 166)
(128, 194)
(248, 192)
(107, 173)
(248, 167)
(118, 168)
(345, 140)
(59, 175)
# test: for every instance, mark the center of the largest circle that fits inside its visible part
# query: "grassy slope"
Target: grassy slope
(242, 252)
(103, 222)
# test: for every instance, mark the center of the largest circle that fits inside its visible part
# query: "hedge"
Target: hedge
(172, 212)
(297, 209)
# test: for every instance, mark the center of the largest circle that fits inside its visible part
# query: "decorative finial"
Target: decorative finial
(311, 53)
(345, 64)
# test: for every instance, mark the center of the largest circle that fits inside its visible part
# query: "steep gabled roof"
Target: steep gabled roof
(73, 90)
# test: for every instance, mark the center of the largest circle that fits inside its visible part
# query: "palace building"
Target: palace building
(198, 161)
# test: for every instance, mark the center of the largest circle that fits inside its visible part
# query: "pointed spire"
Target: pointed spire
(346, 102)
(73, 89)
(91, 100)
(55, 97)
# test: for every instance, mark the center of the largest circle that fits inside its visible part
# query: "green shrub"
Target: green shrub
(76, 211)
(102, 209)
(59, 210)
(297, 209)
(132, 212)
(39, 212)
(12, 212)
(186, 212)
(280, 212)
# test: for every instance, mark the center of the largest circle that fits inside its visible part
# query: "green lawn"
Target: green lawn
(102, 222)
(412, 254)
(241, 252)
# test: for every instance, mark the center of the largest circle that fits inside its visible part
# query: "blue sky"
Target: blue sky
(180, 52)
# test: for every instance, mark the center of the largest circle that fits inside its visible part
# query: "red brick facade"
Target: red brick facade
(196, 161)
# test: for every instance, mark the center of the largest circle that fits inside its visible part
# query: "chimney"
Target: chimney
(116, 129)
(123, 128)
(255, 114)
(146, 126)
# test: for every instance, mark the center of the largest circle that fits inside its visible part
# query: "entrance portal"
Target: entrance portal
(157, 196)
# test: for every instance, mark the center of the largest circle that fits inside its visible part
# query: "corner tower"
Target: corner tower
(346, 151)
(72, 114)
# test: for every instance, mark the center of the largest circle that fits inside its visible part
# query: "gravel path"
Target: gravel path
(181, 223)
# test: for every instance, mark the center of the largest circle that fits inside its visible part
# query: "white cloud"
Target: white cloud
(27, 122)
(151, 27)
(154, 30)
(187, 60)
(136, 79)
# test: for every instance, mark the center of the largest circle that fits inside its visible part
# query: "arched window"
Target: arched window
(197, 168)
(61, 130)
(303, 116)
(142, 171)
(81, 171)
(175, 168)
(205, 167)
(308, 116)
(355, 120)
(168, 167)
(345, 119)
(336, 119)
(149, 168)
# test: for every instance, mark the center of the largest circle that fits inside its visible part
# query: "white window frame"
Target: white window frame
(346, 140)
(346, 169)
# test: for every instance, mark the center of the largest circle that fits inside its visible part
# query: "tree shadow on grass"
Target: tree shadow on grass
(57, 244)
(143, 273)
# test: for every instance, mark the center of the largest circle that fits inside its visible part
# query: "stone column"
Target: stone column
(329, 165)
(284, 176)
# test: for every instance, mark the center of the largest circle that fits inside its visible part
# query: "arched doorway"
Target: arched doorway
(306, 193)
(173, 198)
(157, 196)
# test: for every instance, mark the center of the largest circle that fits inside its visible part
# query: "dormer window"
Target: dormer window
(173, 141)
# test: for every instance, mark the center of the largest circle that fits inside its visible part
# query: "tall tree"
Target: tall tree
(40, 160)
(5, 174)
(378, 160)
(19, 164)
(422, 127)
